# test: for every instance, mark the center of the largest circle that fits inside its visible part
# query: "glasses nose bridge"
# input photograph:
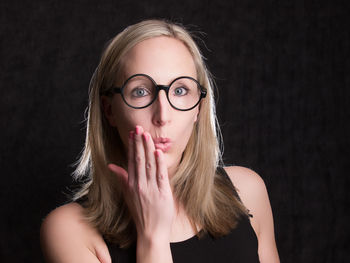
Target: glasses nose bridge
(163, 87)
(166, 90)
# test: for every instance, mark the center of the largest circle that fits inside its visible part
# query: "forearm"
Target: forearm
(153, 251)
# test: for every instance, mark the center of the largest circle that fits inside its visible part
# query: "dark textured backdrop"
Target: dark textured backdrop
(282, 69)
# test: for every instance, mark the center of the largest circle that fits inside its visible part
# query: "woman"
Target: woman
(154, 190)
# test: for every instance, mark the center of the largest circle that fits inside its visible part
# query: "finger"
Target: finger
(151, 166)
(119, 171)
(139, 156)
(131, 159)
(162, 172)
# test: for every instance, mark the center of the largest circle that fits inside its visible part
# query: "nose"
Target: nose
(162, 110)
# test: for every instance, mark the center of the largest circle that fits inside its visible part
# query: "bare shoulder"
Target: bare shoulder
(70, 214)
(67, 237)
(250, 186)
(66, 220)
(245, 179)
(253, 193)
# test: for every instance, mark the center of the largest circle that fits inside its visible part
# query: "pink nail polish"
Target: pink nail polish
(145, 136)
(157, 153)
(138, 130)
(131, 135)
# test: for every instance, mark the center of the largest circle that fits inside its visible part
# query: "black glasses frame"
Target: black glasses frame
(158, 88)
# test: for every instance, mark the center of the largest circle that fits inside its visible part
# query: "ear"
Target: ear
(108, 110)
(196, 115)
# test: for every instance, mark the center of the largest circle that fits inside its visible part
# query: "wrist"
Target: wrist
(153, 249)
(153, 240)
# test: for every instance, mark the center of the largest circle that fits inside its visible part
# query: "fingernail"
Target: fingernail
(157, 153)
(138, 130)
(145, 136)
(131, 134)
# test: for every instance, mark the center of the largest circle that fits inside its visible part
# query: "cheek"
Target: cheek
(122, 121)
(126, 121)
(185, 132)
(124, 126)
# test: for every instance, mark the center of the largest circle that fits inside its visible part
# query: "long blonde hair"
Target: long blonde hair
(206, 196)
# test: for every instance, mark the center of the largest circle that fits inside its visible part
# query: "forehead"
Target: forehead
(162, 58)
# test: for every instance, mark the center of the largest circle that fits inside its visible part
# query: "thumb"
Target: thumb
(119, 171)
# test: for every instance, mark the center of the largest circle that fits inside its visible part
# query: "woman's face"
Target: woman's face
(163, 59)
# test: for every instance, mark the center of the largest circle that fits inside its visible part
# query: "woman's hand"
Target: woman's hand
(147, 189)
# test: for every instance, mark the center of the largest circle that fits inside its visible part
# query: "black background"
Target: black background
(282, 70)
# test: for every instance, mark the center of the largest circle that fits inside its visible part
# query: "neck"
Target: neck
(182, 228)
(172, 168)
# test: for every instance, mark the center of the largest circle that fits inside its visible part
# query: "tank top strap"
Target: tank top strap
(220, 170)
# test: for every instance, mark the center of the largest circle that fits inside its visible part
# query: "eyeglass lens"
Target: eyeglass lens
(140, 91)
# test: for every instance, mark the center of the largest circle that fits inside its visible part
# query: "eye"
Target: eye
(180, 91)
(139, 92)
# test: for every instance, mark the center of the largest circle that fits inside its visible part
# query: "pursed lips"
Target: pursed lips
(163, 144)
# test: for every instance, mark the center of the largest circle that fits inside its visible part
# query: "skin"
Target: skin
(159, 219)
(146, 182)
(164, 59)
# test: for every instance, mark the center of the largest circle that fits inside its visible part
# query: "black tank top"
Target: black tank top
(239, 246)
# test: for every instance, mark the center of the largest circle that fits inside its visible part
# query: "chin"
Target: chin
(172, 163)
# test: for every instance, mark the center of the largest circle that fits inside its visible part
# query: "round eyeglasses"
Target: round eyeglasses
(140, 90)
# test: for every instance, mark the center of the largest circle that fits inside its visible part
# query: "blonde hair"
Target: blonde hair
(206, 196)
